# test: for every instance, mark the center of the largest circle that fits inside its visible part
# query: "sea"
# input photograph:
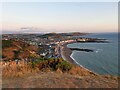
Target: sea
(104, 59)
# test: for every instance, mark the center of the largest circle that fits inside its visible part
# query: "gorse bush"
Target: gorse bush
(64, 66)
(52, 64)
(40, 59)
(35, 66)
(34, 63)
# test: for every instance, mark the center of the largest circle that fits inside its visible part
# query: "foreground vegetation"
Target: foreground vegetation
(41, 64)
(53, 73)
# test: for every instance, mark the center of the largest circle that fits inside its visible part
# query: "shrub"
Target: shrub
(52, 64)
(64, 66)
(40, 59)
(33, 64)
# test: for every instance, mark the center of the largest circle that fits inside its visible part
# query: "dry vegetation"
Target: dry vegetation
(16, 70)
(43, 75)
(8, 48)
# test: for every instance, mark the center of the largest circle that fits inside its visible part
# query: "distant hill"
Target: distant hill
(57, 35)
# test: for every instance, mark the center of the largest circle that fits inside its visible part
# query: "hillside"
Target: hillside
(58, 79)
(43, 75)
(10, 46)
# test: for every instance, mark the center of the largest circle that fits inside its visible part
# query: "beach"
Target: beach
(66, 55)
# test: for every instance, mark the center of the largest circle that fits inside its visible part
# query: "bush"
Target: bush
(64, 66)
(52, 64)
(33, 64)
(40, 59)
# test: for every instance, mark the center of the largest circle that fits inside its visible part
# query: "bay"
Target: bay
(104, 59)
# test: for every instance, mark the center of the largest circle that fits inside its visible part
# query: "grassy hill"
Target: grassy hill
(59, 79)
(9, 46)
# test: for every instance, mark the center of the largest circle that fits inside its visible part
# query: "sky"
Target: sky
(59, 16)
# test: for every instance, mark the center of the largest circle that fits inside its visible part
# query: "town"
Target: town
(49, 44)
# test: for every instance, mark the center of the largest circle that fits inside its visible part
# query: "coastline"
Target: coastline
(66, 54)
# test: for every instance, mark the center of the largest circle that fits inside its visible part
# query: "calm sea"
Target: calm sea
(104, 59)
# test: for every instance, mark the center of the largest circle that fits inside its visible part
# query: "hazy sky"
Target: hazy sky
(60, 16)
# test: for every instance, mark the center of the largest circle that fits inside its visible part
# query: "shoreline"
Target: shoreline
(66, 54)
